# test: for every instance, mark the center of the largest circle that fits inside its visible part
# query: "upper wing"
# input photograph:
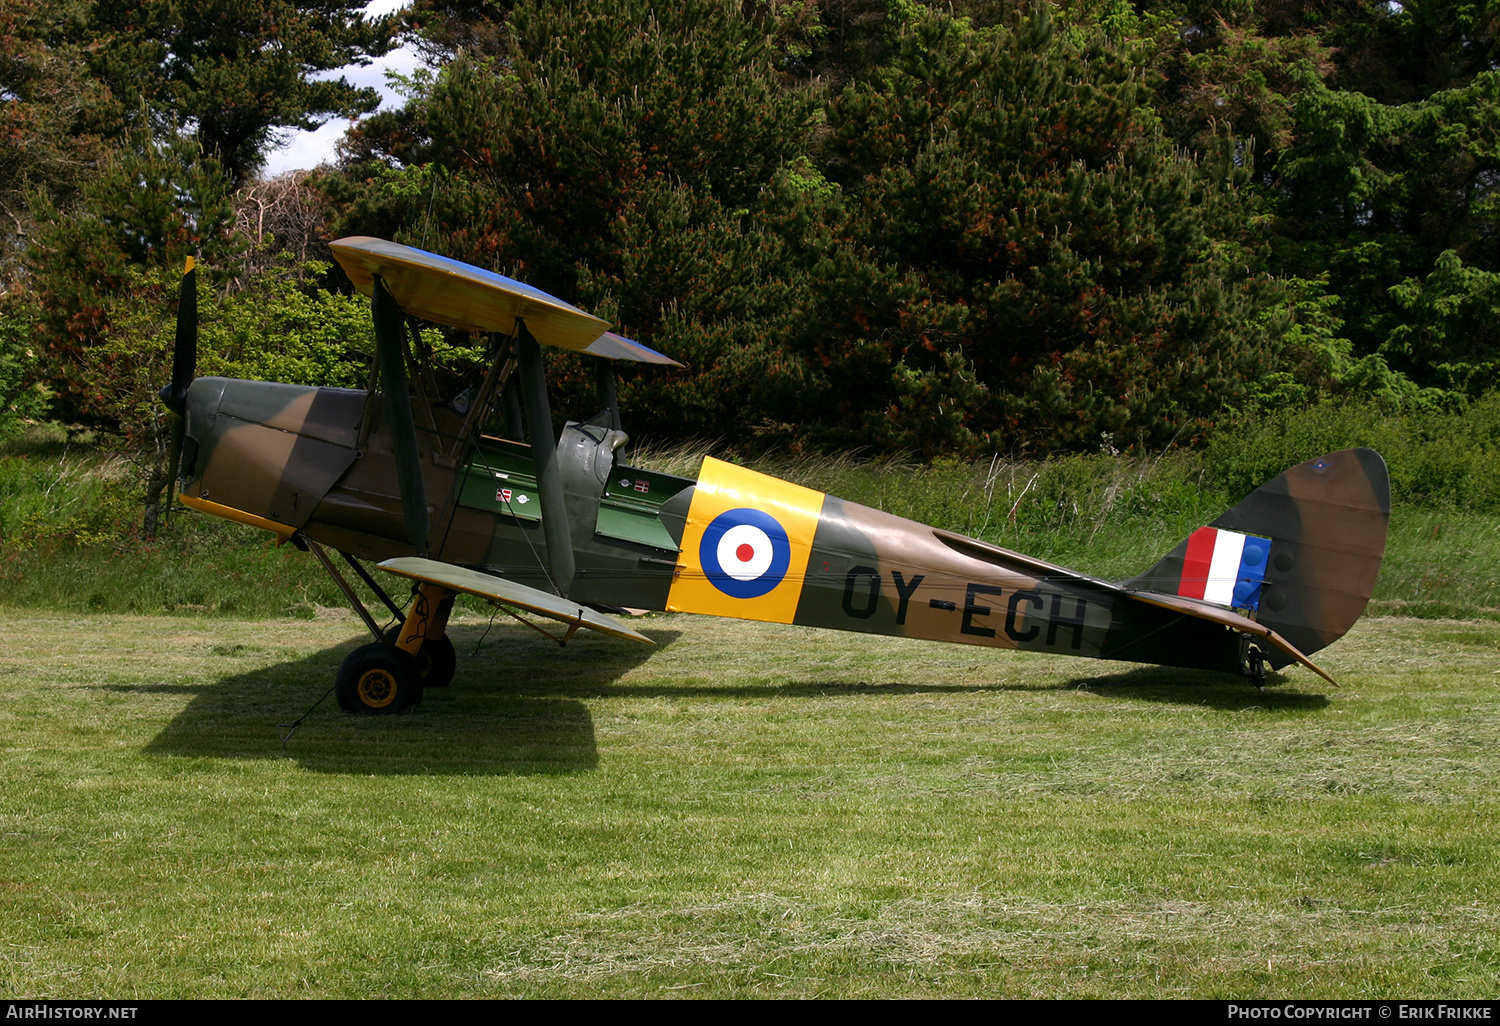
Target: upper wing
(469, 298)
(617, 347)
(497, 589)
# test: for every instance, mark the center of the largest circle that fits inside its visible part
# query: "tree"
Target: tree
(536, 155)
(1371, 129)
(237, 71)
(1065, 272)
(54, 118)
(1387, 196)
(156, 201)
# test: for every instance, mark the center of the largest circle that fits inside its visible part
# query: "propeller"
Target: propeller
(185, 350)
(184, 363)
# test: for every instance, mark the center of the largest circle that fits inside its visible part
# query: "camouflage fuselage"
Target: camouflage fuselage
(737, 543)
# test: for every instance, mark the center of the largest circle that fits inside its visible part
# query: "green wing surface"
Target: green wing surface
(497, 589)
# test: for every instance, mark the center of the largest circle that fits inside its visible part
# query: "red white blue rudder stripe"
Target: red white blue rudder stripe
(1224, 567)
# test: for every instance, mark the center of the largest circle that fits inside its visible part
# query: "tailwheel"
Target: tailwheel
(378, 680)
(437, 660)
(1252, 661)
(1255, 667)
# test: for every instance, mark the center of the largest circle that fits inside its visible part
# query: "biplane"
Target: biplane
(473, 490)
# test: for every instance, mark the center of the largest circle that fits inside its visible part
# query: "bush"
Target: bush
(1448, 458)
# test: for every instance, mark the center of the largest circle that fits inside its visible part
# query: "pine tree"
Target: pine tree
(1069, 273)
(236, 71)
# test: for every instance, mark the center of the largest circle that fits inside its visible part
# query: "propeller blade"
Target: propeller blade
(184, 365)
(390, 354)
(185, 348)
(179, 429)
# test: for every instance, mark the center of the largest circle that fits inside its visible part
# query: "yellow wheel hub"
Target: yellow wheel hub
(377, 688)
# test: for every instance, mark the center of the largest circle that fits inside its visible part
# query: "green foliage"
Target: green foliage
(69, 500)
(1438, 458)
(23, 397)
(159, 201)
(1397, 202)
(56, 120)
(281, 326)
(872, 224)
(1043, 230)
(1442, 562)
(1451, 325)
(590, 106)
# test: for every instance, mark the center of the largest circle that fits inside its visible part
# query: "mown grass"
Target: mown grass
(749, 810)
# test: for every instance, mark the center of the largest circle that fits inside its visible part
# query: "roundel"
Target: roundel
(745, 553)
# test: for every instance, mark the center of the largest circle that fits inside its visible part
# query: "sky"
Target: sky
(309, 149)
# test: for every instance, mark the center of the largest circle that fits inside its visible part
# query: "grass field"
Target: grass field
(749, 810)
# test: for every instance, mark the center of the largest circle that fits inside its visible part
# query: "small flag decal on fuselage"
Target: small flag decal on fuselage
(1224, 567)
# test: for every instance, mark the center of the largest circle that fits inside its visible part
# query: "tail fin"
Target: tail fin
(1300, 553)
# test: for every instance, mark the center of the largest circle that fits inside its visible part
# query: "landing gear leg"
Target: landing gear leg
(390, 675)
(436, 659)
(422, 635)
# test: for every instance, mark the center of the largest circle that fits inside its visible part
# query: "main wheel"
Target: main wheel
(436, 659)
(378, 680)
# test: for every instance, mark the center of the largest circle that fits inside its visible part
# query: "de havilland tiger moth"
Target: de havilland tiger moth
(477, 493)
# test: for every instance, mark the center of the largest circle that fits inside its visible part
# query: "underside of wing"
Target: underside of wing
(498, 589)
(460, 295)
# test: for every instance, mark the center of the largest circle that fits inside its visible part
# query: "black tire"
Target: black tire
(437, 661)
(378, 680)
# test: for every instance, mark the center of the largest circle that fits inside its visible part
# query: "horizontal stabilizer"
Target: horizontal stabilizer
(1186, 606)
(497, 589)
(1231, 619)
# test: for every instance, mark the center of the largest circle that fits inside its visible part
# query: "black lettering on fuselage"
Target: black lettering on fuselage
(1023, 606)
(1013, 609)
(904, 592)
(971, 610)
(872, 599)
(1076, 621)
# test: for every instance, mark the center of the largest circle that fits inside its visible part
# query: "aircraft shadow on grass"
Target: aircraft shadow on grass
(520, 706)
(510, 711)
(1188, 687)
(1145, 683)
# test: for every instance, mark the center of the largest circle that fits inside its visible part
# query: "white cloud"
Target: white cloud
(309, 149)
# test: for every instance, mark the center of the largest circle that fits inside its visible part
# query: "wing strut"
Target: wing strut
(390, 353)
(555, 526)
